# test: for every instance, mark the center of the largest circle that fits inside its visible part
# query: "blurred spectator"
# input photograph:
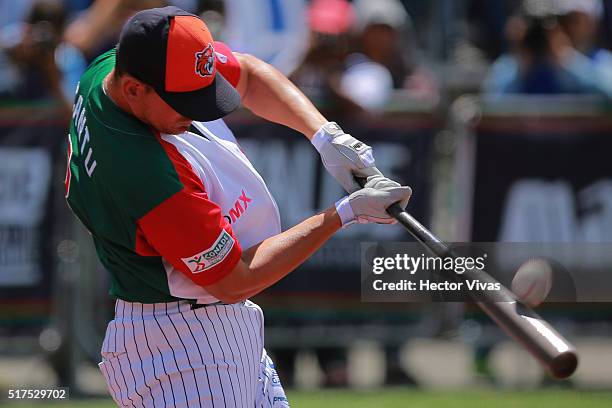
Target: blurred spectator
(98, 28)
(484, 25)
(544, 60)
(379, 26)
(35, 64)
(275, 31)
(213, 13)
(321, 70)
(581, 21)
(384, 61)
(12, 11)
(606, 26)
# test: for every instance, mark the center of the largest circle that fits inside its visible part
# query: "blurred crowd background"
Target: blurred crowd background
(495, 112)
(429, 50)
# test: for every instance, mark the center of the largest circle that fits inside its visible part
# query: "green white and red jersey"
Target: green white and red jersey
(169, 214)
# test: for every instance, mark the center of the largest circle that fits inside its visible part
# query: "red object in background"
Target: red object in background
(332, 17)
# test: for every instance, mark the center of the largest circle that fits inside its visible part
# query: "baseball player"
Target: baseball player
(182, 221)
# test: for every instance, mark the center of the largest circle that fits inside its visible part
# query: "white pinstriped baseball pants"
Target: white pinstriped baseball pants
(168, 355)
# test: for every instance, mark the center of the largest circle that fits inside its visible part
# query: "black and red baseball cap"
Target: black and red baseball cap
(173, 51)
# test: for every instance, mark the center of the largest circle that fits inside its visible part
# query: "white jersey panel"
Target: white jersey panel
(232, 182)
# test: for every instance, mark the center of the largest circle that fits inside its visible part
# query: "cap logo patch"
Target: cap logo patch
(205, 61)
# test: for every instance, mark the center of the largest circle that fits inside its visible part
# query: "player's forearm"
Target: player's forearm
(289, 249)
(269, 94)
(275, 257)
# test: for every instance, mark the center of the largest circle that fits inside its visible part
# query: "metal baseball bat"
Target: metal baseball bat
(519, 321)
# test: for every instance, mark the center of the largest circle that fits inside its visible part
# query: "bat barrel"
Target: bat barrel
(538, 337)
(518, 321)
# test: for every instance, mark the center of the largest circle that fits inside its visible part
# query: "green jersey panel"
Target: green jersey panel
(114, 160)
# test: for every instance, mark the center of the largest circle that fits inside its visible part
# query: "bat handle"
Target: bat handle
(415, 228)
(361, 181)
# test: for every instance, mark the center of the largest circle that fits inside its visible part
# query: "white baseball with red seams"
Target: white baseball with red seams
(533, 281)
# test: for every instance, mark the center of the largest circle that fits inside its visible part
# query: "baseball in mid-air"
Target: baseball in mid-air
(533, 281)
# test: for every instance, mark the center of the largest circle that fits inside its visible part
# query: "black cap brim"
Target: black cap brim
(210, 103)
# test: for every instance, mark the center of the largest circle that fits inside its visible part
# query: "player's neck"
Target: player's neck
(112, 89)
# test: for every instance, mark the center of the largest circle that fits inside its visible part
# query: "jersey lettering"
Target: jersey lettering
(240, 206)
(68, 172)
(79, 118)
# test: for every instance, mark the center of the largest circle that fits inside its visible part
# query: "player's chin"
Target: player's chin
(178, 128)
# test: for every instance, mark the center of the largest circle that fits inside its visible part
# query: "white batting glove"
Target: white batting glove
(344, 157)
(380, 182)
(369, 205)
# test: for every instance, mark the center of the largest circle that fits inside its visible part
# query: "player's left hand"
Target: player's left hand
(380, 182)
(345, 157)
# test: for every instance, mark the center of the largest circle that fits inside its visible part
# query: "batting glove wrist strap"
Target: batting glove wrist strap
(343, 156)
(345, 212)
(323, 136)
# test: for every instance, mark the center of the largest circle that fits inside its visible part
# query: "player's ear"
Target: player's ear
(132, 88)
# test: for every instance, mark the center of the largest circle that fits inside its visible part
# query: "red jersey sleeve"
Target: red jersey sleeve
(188, 230)
(227, 64)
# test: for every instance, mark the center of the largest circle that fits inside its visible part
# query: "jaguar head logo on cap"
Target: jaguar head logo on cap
(205, 61)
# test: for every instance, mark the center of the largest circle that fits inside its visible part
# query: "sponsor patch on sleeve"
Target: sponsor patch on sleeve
(210, 257)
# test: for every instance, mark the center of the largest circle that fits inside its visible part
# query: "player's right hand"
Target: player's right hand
(344, 157)
(369, 205)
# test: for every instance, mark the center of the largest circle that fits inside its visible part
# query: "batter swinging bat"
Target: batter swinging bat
(554, 352)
